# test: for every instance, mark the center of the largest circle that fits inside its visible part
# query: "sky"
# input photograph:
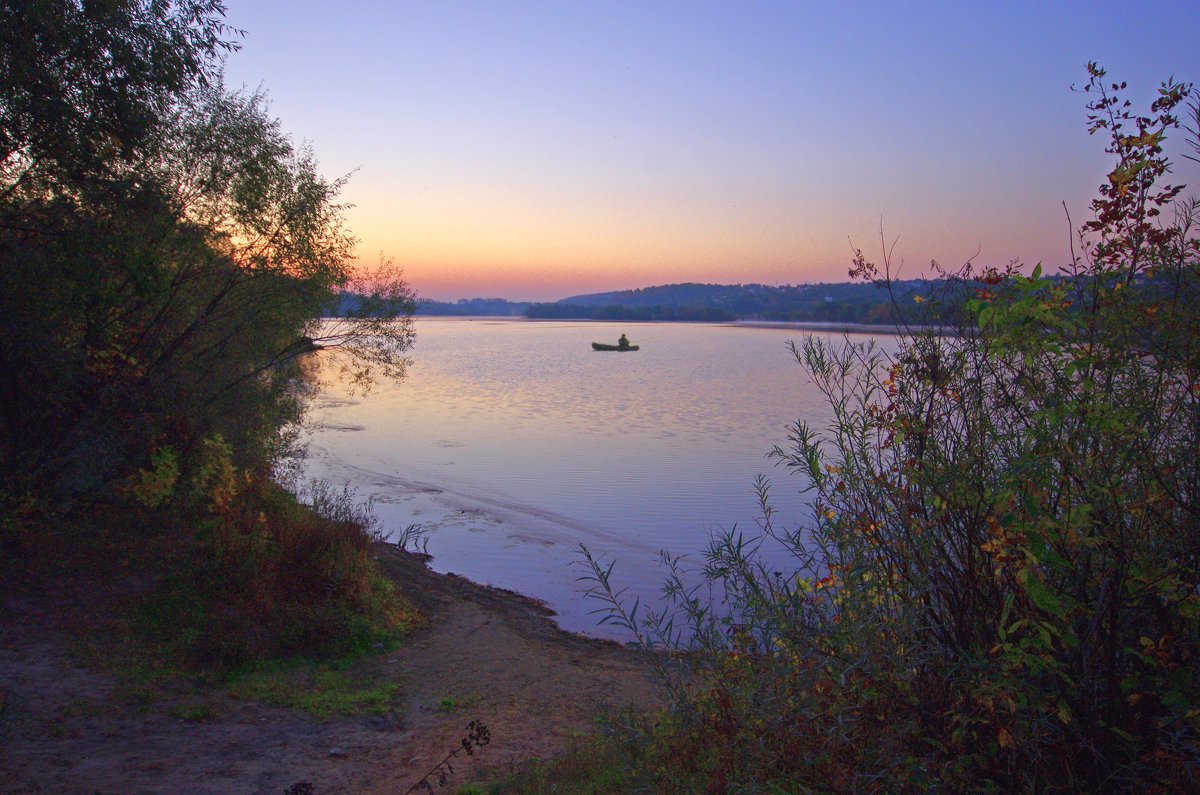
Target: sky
(537, 150)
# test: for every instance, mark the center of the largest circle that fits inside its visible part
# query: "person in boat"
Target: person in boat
(623, 342)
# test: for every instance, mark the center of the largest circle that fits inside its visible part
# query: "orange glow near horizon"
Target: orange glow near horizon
(501, 237)
(543, 252)
(534, 151)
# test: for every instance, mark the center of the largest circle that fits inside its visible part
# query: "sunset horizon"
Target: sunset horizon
(532, 153)
(526, 397)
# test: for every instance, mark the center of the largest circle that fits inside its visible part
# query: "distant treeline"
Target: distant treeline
(866, 303)
(349, 303)
(710, 314)
(850, 303)
(474, 307)
(910, 301)
(920, 301)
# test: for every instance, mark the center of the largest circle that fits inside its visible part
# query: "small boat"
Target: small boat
(600, 346)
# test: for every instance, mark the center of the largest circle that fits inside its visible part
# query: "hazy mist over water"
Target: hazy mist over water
(512, 442)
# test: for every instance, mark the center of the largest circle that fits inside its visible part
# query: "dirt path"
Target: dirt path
(486, 655)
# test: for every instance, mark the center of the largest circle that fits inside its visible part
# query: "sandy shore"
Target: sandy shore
(69, 726)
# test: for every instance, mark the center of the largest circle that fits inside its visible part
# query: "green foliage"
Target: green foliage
(323, 690)
(214, 479)
(154, 484)
(84, 83)
(167, 255)
(271, 577)
(998, 586)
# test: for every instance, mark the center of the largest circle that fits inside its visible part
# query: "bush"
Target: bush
(168, 255)
(272, 577)
(1000, 585)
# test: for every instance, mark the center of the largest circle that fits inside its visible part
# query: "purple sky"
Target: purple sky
(537, 150)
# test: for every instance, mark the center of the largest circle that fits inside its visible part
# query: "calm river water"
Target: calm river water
(511, 443)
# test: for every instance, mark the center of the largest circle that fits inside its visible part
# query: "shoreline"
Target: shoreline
(70, 719)
(534, 615)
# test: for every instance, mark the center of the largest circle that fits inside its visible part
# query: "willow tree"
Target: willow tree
(166, 251)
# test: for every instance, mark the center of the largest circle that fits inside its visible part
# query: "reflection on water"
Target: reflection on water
(512, 443)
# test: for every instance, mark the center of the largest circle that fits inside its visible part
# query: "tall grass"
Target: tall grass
(999, 586)
(271, 576)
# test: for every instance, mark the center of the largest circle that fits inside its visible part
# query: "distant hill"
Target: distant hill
(685, 294)
(690, 301)
(841, 302)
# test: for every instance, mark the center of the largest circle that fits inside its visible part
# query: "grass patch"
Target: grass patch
(194, 712)
(449, 704)
(271, 580)
(323, 690)
(187, 628)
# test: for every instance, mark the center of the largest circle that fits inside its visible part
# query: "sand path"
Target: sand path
(67, 726)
